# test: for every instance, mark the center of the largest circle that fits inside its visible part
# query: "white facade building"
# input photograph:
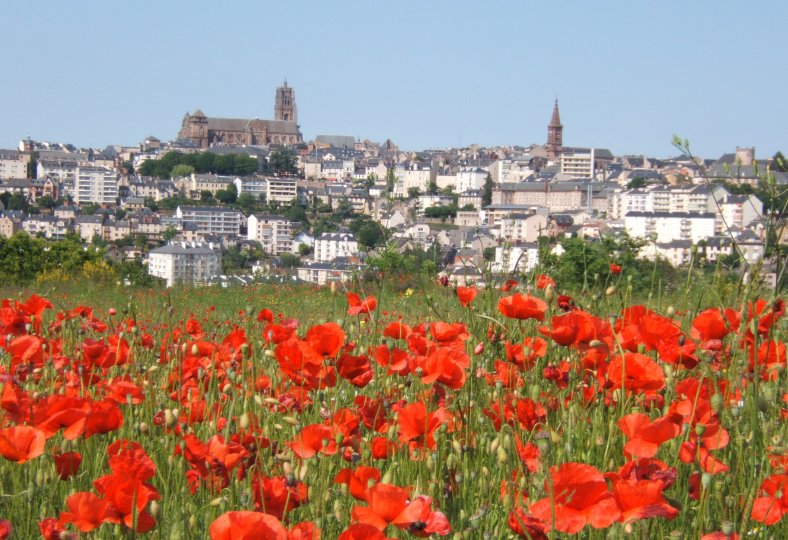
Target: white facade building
(521, 257)
(96, 185)
(13, 164)
(186, 263)
(211, 219)
(669, 226)
(329, 246)
(274, 233)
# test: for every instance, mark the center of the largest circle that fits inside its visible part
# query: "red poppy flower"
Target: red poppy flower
(390, 504)
(615, 269)
(356, 306)
(466, 294)
(21, 443)
(278, 496)
(88, 511)
(417, 427)
(245, 525)
(445, 366)
(579, 497)
(508, 285)
(265, 315)
(362, 531)
(358, 480)
(520, 306)
(306, 530)
(636, 372)
(642, 499)
(5, 529)
(645, 436)
(51, 529)
(356, 369)
(709, 324)
(326, 339)
(772, 504)
(397, 330)
(526, 525)
(543, 280)
(67, 464)
(312, 440)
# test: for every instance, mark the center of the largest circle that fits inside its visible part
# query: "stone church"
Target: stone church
(205, 131)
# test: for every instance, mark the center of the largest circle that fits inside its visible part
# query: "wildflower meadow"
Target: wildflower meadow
(516, 410)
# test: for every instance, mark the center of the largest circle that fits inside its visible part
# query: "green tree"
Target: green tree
(206, 196)
(487, 191)
(637, 182)
(182, 170)
(169, 233)
(17, 201)
(282, 162)
(47, 202)
(391, 180)
(247, 202)
(290, 260)
(779, 162)
(413, 192)
(229, 195)
(304, 250)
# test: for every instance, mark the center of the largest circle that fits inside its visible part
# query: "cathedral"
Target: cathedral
(205, 131)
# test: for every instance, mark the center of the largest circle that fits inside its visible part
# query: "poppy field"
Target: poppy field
(297, 413)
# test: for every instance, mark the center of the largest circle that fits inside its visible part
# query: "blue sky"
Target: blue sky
(628, 75)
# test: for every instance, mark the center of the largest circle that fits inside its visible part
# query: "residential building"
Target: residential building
(281, 190)
(211, 219)
(49, 227)
(523, 227)
(515, 257)
(95, 185)
(668, 226)
(274, 233)
(13, 164)
(10, 223)
(329, 246)
(320, 273)
(188, 264)
(470, 179)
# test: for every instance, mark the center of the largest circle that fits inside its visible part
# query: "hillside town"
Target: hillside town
(230, 201)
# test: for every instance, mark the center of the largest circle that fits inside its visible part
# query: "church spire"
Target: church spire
(555, 121)
(555, 135)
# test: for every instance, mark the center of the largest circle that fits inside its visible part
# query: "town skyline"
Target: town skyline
(434, 76)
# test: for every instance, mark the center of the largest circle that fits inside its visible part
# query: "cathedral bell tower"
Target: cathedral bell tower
(285, 108)
(555, 136)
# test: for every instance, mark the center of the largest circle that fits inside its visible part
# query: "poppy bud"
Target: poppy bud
(549, 294)
(611, 290)
(457, 446)
(727, 527)
(144, 428)
(154, 509)
(195, 349)
(671, 311)
(169, 419)
(303, 470)
(700, 429)
(243, 422)
(705, 480)
(333, 287)
(479, 349)
(193, 521)
(502, 456)
(494, 444)
(716, 402)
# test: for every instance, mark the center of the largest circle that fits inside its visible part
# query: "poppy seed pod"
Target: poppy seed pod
(549, 293)
(610, 291)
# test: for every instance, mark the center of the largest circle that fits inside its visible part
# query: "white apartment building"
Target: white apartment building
(669, 226)
(518, 257)
(520, 227)
(50, 227)
(689, 198)
(739, 211)
(500, 170)
(321, 273)
(470, 179)
(274, 233)
(329, 246)
(211, 219)
(578, 162)
(252, 185)
(13, 164)
(416, 175)
(96, 185)
(282, 190)
(188, 264)
(62, 171)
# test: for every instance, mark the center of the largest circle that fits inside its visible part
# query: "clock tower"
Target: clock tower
(555, 135)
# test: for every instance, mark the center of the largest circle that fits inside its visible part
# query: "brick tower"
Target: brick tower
(285, 108)
(555, 136)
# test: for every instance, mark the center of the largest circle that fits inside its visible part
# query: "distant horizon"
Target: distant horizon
(425, 75)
